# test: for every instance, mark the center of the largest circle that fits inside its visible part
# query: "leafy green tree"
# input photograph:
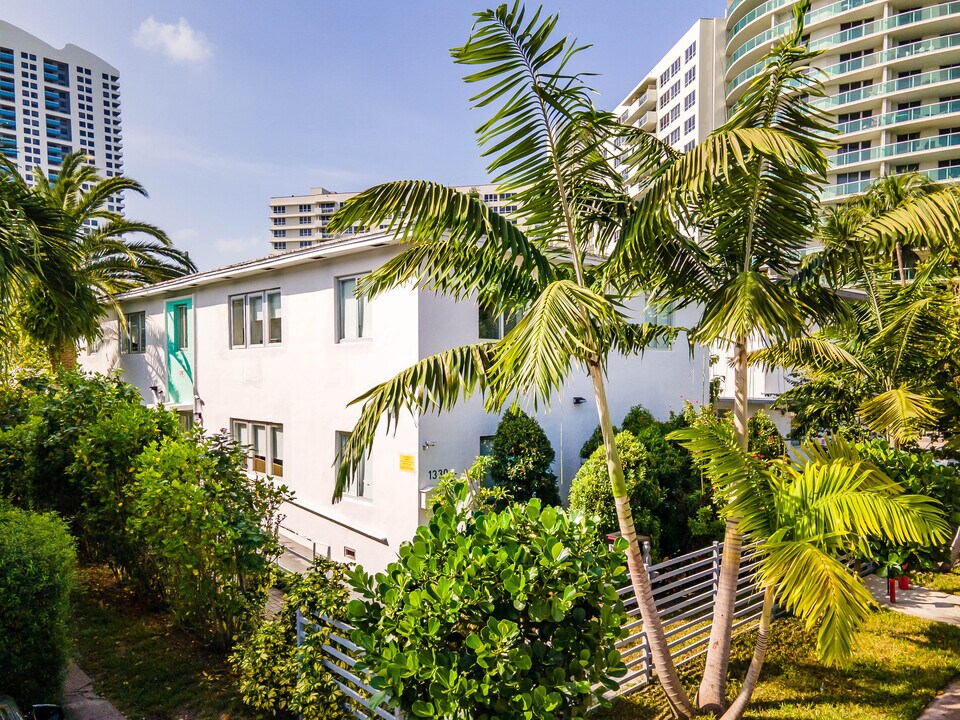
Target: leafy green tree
(486, 614)
(521, 459)
(549, 145)
(764, 438)
(103, 260)
(810, 511)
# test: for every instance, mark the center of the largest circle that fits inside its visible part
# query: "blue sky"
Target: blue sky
(228, 102)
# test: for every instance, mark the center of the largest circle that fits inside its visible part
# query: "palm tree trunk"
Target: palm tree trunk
(639, 578)
(67, 357)
(900, 269)
(711, 697)
(735, 712)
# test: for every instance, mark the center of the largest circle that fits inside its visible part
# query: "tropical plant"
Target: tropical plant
(809, 510)
(67, 302)
(549, 145)
(764, 439)
(210, 529)
(282, 679)
(486, 614)
(733, 251)
(521, 457)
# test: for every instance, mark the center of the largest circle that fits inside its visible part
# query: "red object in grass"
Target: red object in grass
(904, 582)
(892, 586)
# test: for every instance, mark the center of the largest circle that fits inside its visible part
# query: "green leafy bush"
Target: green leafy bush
(920, 474)
(37, 574)
(103, 470)
(521, 459)
(276, 677)
(487, 614)
(591, 493)
(764, 438)
(209, 528)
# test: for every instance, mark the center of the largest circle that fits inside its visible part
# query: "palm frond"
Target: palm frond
(900, 413)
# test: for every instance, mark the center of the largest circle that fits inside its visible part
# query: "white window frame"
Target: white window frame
(363, 331)
(658, 317)
(264, 297)
(273, 462)
(125, 344)
(505, 323)
(361, 489)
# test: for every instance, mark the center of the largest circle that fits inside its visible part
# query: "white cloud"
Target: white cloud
(242, 245)
(179, 42)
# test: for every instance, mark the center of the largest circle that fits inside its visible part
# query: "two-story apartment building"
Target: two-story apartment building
(274, 350)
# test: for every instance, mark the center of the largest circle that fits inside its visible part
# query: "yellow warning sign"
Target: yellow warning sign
(407, 463)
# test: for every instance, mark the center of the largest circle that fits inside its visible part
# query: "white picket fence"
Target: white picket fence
(684, 588)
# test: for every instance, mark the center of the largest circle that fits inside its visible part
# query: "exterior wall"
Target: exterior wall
(299, 221)
(891, 78)
(34, 135)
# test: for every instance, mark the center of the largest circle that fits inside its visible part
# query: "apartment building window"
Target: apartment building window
(690, 76)
(280, 246)
(851, 116)
(905, 79)
(674, 137)
(494, 327)
(856, 85)
(664, 121)
(675, 90)
(675, 112)
(254, 317)
(675, 67)
(852, 177)
(658, 316)
(691, 52)
(690, 146)
(263, 443)
(279, 209)
(690, 124)
(279, 233)
(135, 335)
(853, 147)
(306, 232)
(279, 221)
(353, 322)
(358, 484)
(908, 168)
(304, 208)
(305, 243)
(690, 100)
(908, 137)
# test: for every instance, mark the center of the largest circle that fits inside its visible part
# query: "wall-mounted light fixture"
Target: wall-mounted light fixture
(427, 444)
(579, 400)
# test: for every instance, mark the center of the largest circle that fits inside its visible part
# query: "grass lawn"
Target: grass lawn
(141, 663)
(901, 664)
(948, 582)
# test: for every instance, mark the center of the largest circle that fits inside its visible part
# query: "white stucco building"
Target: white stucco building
(274, 350)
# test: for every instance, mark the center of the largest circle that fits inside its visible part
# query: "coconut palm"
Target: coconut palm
(548, 144)
(106, 261)
(810, 510)
(734, 254)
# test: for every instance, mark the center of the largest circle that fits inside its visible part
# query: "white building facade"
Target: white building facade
(300, 221)
(274, 350)
(54, 101)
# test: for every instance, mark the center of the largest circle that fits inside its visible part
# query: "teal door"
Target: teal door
(180, 352)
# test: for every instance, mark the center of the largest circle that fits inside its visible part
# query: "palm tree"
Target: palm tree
(105, 261)
(736, 247)
(809, 511)
(881, 363)
(548, 144)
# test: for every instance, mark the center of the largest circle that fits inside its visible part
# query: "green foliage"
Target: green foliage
(521, 459)
(209, 528)
(37, 575)
(677, 506)
(275, 676)
(485, 614)
(763, 437)
(809, 510)
(103, 470)
(591, 494)
(920, 474)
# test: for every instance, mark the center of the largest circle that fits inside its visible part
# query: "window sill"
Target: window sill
(354, 341)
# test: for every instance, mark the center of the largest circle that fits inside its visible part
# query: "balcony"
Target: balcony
(900, 84)
(833, 192)
(898, 117)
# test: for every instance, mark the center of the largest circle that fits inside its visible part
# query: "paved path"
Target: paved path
(81, 702)
(930, 605)
(918, 601)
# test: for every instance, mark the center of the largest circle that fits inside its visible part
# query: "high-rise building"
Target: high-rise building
(54, 101)
(299, 221)
(891, 72)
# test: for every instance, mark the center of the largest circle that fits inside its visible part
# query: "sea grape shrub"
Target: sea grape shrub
(211, 530)
(521, 459)
(486, 614)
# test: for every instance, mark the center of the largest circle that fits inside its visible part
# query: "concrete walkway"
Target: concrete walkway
(930, 605)
(918, 601)
(81, 702)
